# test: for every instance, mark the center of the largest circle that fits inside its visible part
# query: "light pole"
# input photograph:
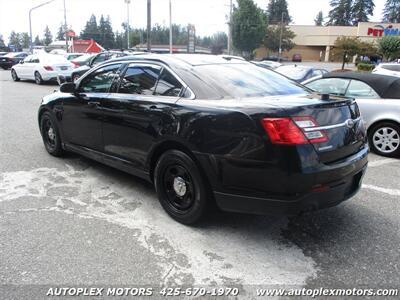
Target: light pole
(170, 27)
(230, 29)
(66, 28)
(280, 38)
(127, 23)
(148, 25)
(30, 22)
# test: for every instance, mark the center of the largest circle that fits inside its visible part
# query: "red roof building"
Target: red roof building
(85, 46)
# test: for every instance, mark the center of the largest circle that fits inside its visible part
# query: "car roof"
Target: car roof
(385, 86)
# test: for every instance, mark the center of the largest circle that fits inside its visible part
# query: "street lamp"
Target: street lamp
(280, 38)
(170, 27)
(127, 23)
(30, 22)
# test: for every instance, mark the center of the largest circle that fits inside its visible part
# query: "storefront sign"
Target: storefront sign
(379, 31)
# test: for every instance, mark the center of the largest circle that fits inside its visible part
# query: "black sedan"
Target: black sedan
(11, 59)
(211, 130)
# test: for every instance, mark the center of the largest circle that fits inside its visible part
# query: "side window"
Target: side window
(334, 86)
(100, 80)
(168, 85)
(28, 59)
(140, 79)
(35, 60)
(99, 59)
(359, 89)
(316, 73)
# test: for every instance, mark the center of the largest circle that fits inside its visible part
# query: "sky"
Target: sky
(208, 16)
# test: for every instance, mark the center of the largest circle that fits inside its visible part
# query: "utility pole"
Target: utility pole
(149, 25)
(65, 27)
(170, 27)
(30, 22)
(230, 29)
(280, 38)
(127, 23)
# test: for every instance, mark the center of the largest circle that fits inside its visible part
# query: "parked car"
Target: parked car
(297, 58)
(41, 68)
(11, 59)
(72, 56)
(3, 53)
(300, 73)
(391, 69)
(95, 60)
(272, 65)
(378, 97)
(82, 60)
(205, 128)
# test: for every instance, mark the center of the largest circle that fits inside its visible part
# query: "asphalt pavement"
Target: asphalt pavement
(72, 221)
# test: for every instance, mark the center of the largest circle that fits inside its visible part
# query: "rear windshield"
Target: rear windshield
(395, 68)
(248, 80)
(295, 73)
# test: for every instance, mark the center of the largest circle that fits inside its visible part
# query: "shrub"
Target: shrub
(365, 67)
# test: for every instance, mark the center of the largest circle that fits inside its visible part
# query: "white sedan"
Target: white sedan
(41, 68)
(391, 69)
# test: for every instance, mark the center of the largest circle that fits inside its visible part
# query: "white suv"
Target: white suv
(391, 69)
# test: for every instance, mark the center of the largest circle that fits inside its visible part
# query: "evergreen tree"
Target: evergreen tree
(91, 30)
(341, 13)
(276, 9)
(61, 33)
(37, 41)
(2, 43)
(391, 12)
(273, 37)
(319, 20)
(25, 40)
(361, 10)
(248, 26)
(15, 40)
(48, 37)
(106, 34)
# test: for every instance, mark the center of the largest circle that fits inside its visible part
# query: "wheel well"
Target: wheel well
(164, 147)
(373, 125)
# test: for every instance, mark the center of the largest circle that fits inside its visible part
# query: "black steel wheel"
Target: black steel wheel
(384, 139)
(180, 187)
(50, 134)
(14, 75)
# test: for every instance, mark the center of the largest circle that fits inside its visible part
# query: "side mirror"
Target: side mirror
(67, 87)
(21, 62)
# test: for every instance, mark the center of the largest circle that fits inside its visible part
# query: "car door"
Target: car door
(139, 112)
(82, 113)
(22, 68)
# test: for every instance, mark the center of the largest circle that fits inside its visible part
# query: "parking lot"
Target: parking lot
(74, 221)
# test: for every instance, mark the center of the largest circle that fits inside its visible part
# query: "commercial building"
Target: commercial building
(315, 43)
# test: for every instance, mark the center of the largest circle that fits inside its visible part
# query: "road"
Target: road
(72, 221)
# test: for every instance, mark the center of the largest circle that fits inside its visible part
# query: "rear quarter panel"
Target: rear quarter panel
(376, 110)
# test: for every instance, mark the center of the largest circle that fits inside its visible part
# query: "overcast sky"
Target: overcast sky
(208, 16)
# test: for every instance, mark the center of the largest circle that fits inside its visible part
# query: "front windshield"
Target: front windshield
(295, 73)
(240, 80)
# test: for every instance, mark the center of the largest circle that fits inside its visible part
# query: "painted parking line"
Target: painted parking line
(381, 162)
(392, 192)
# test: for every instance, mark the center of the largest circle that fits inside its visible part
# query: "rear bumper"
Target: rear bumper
(309, 202)
(307, 189)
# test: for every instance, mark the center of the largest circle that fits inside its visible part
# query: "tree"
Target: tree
(2, 43)
(248, 26)
(361, 10)
(341, 13)
(391, 12)
(389, 47)
(25, 40)
(15, 40)
(91, 30)
(218, 42)
(61, 33)
(48, 37)
(319, 20)
(346, 48)
(106, 34)
(272, 38)
(37, 41)
(276, 10)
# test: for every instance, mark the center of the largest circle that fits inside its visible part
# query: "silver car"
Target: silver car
(378, 97)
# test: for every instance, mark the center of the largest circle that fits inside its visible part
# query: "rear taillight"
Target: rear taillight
(76, 65)
(293, 131)
(48, 68)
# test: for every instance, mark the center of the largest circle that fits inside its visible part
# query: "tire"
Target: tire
(180, 187)
(384, 139)
(51, 135)
(14, 75)
(38, 78)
